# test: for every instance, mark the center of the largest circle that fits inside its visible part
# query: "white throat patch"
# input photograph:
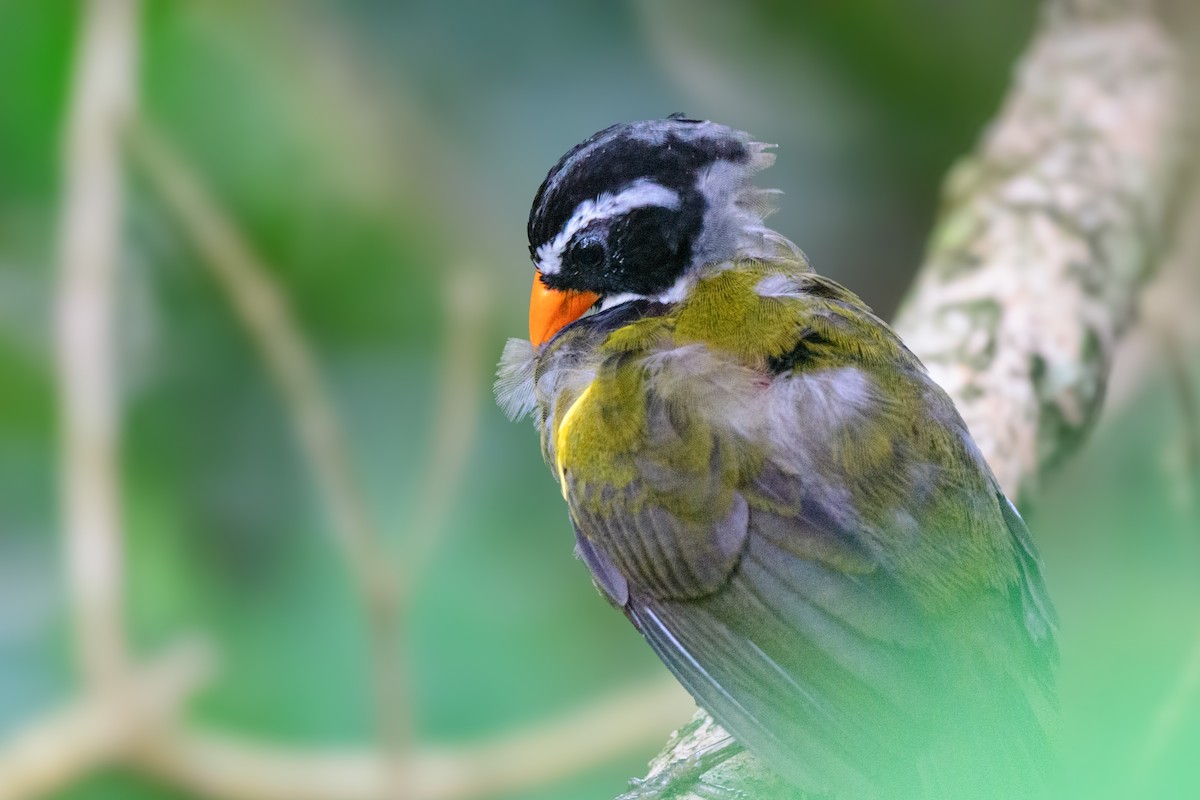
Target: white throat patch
(639, 194)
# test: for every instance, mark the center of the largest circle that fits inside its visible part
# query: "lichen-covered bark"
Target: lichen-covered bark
(1048, 231)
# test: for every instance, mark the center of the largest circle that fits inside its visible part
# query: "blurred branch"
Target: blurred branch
(1184, 457)
(1189, 405)
(90, 234)
(359, 121)
(1033, 271)
(360, 108)
(217, 766)
(121, 701)
(1165, 314)
(101, 728)
(137, 722)
(264, 310)
(459, 402)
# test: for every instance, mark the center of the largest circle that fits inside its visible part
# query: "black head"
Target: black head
(630, 209)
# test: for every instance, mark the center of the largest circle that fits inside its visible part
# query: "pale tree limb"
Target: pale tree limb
(1049, 230)
(264, 310)
(102, 728)
(90, 242)
(223, 767)
(460, 396)
(64, 746)
(121, 700)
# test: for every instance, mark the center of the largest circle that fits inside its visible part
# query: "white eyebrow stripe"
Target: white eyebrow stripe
(639, 194)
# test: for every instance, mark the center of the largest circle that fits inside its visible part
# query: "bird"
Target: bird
(768, 484)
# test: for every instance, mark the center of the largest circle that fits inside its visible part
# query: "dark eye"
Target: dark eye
(587, 253)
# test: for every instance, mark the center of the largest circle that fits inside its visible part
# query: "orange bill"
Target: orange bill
(551, 310)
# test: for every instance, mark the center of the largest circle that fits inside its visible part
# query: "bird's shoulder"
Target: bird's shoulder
(779, 317)
(752, 340)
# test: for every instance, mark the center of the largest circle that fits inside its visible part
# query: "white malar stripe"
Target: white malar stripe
(677, 292)
(639, 194)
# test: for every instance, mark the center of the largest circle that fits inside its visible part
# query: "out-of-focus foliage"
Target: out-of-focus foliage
(371, 151)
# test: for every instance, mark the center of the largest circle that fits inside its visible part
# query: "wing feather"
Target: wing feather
(839, 677)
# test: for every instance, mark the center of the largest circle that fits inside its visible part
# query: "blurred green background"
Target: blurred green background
(377, 156)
